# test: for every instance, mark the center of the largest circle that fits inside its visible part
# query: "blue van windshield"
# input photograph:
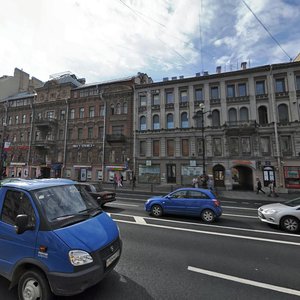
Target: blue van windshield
(65, 202)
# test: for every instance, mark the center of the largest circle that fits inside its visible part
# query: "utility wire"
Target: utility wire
(266, 29)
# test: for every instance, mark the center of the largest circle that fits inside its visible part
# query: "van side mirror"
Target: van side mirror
(22, 224)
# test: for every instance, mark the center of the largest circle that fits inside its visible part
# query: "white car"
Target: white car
(286, 214)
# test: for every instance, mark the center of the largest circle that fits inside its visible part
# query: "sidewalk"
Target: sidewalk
(162, 189)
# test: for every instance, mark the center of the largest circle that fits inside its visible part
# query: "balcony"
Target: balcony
(282, 94)
(169, 106)
(240, 127)
(115, 138)
(261, 97)
(142, 108)
(46, 143)
(155, 107)
(237, 99)
(45, 122)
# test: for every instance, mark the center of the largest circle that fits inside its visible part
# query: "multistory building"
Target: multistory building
(236, 126)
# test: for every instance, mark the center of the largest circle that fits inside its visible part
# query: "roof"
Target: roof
(34, 184)
(21, 95)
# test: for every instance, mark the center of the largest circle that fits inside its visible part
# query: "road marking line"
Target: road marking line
(216, 226)
(246, 281)
(214, 233)
(234, 207)
(240, 216)
(122, 204)
(140, 220)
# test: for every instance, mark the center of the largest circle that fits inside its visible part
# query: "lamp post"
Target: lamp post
(200, 116)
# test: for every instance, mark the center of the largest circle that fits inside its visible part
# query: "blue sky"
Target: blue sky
(110, 39)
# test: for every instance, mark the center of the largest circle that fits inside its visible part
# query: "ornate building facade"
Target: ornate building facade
(236, 126)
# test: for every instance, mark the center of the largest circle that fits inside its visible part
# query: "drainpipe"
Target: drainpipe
(30, 135)
(274, 111)
(104, 135)
(65, 140)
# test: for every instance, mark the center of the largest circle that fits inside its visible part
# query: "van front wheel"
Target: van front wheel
(33, 285)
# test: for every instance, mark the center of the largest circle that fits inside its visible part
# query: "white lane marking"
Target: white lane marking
(121, 204)
(216, 226)
(213, 233)
(140, 220)
(240, 216)
(246, 281)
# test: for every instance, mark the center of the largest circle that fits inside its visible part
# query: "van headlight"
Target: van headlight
(79, 257)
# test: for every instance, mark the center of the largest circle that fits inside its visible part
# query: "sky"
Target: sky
(110, 39)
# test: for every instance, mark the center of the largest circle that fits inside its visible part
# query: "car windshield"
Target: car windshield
(65, 202)
(293, 202)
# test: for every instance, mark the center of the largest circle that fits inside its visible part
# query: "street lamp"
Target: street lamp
(200, 116)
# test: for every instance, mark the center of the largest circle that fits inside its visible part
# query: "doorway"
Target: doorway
(219, 174)
(171, 173)
(242, 178)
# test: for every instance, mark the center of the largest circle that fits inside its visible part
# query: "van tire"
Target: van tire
(34, 285)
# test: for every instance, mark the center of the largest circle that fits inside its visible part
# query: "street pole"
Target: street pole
(203, 141)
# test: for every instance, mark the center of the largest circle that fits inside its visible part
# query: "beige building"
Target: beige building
(235, 126)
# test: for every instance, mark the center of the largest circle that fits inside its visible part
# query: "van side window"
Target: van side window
(16, 203)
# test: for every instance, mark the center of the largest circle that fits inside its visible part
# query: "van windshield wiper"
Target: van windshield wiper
(92, 211)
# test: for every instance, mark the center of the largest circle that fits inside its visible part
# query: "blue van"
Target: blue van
(54, 238)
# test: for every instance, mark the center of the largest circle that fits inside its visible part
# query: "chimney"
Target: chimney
(165, 78)
(244, 65)
(218, 69)
(174, 77)
(205, 73)
(198, 74)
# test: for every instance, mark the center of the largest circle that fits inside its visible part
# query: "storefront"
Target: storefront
(292, 177)
(149, 173)
(119, 170)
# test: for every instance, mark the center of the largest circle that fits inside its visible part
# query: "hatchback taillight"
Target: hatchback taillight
(216, 202)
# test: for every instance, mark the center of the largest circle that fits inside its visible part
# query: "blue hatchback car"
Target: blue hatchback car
(186, 201)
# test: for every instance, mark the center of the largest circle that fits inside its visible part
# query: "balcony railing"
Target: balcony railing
(115, 138)
(45, 122)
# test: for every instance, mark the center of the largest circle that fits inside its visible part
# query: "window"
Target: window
(9, 120)
(262, 115)
(156, 124)
(81, 112)
(245, 145)
(279, 85)
(117, 129)
(286, 145)
(242, 89)
(21, 137)
(72, 114)
(62, 115)
(142, 148)
(169, 97)
(265, 145)
(170, 121)
(79, 133)
(70, 134)
(100, 133)
(217, 146)
(17, 120)
(260, 88)
(183, 96)
(170, 147)
(230, 91)
(283, 114)
(155, 99)
(156, 146)
(198, 94)
(232, 116)
(101, 111)
(91, 111)
(185, 149)
(234, 146)
(61, 135)
(244, 116)
(16, 203)
(215, 118)
(112, 109)
(143, 100)
(125, 108)
(214, 92)
(90, 132)
(198, 117)
(184, 120)
(298, 83)
(118, 109)
(143, 125)
(50, 115)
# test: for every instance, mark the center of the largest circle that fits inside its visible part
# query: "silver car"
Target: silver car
(286, 214)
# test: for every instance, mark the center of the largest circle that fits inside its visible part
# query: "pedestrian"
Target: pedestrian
(272, 189)
(259, 186)
(119, 181)
(133, 182)
(195, 182)
(210, 183)
(115, 182)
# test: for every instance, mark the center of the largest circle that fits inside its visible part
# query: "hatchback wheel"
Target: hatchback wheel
(156, 211)
(208, 216)
(290, 224)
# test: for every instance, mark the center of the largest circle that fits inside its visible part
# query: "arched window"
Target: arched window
(244, 115)
(262, 115)
(198, 118)
(125, 108)
(143, 125)
(112, 109)
(184, 120)
(156, 124)
(118, 109)
(170, 121)
(283, 114)
(232, 114)
(215, 118)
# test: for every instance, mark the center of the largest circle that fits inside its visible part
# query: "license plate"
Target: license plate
(112, 258)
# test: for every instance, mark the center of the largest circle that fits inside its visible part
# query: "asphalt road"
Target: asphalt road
(183, 258)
